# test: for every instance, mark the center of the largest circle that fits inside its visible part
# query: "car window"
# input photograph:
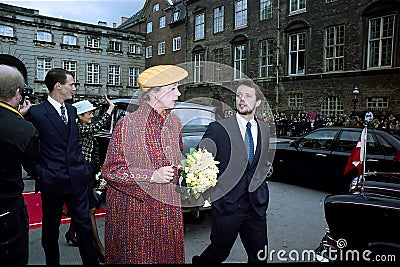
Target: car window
(387, 147)
(348, 141)
(321, 140)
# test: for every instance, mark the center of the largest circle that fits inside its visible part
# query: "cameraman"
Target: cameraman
(19, 147)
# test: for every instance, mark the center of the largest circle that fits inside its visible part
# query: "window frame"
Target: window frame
(114, 75)
(4, 30)
(297, 53)
(219, 16)
(176, 43)
(266, 70)
(240, 63)
(93, 76)
(161, 48)
(133, 74)
(336, 60)
(43, 69)
(240, 17)
(199, 26)
(44, 36)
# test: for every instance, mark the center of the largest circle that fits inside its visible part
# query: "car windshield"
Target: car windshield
(318, 140)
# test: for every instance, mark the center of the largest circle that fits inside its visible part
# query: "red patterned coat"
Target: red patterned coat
(144, 221)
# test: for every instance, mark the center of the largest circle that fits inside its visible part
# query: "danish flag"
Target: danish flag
(357, 155)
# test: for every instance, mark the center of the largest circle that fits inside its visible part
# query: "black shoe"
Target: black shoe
(71, 238)
(196, 259)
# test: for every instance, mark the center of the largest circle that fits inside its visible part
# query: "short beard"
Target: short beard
(245, 112)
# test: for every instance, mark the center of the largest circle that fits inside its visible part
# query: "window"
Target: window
(93, 42)
(70, 66)
(297, 55)
(44, 36)
(198, 67)
(162, 22)
(156, 7)
(239, 61)
(114, 46)
(377, 103)
(6, 30)
(161, 48)
(176, 43)
(69, 39)
(134, 48)
(43, 65)
(332, 106)
(218, 55)
(114, 75)
(149, 51)
(149, 27)
(297, 5)
(334, 48)
(295, 100)
(175, 16)
(266, 58)
(133, 76)
(240, 13)
(265, 9)
(219, 19)
(199, 26)
(93, 73)
(380, 41)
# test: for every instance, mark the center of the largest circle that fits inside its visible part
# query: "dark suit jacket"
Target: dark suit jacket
(62, 167)
(236, 177)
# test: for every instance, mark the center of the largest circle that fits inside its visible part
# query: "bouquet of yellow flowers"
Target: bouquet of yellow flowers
(199, 171)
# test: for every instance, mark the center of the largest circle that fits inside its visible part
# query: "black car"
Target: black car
(318, 159)
(363, 224)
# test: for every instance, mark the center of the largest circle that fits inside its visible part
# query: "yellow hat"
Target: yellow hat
(160, 75)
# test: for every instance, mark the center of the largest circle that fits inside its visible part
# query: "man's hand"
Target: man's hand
(26, 105)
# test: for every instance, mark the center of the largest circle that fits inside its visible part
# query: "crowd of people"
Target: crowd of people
(294, 125)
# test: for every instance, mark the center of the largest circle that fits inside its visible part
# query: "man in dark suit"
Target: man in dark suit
(19, 144)
(240, 198)
(63, 173)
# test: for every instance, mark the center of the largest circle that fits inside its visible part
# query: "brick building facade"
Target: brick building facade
(305, 55)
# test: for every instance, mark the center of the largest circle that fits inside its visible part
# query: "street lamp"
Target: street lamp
(355, 100)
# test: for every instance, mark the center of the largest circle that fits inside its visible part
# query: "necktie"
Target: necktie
(248, 139)
(63, 116)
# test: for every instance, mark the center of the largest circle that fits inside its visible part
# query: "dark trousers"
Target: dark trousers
(14, 237)
(78, 208)
(251, 227)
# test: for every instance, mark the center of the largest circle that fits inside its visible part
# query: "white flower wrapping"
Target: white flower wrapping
(200, 171)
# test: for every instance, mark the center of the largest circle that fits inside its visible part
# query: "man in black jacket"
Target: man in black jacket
(240, 198)
(19, 147)
(64, 174)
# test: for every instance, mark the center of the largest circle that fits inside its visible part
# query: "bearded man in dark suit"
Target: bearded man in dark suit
(240, 198)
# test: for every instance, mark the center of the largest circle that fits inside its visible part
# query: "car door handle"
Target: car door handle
(372, 160)
(321, 155)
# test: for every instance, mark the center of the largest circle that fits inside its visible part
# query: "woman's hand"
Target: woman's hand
(111, 105)
(163, 175)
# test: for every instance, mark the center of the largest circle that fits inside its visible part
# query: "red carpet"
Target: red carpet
(34, 204)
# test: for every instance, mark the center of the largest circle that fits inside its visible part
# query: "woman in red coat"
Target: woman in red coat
(144, 221)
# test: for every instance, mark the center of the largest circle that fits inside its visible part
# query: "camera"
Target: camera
(27, 91)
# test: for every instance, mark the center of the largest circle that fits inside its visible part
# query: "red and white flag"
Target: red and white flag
(357, 155)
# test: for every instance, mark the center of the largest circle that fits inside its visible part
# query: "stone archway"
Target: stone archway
(15, 62)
